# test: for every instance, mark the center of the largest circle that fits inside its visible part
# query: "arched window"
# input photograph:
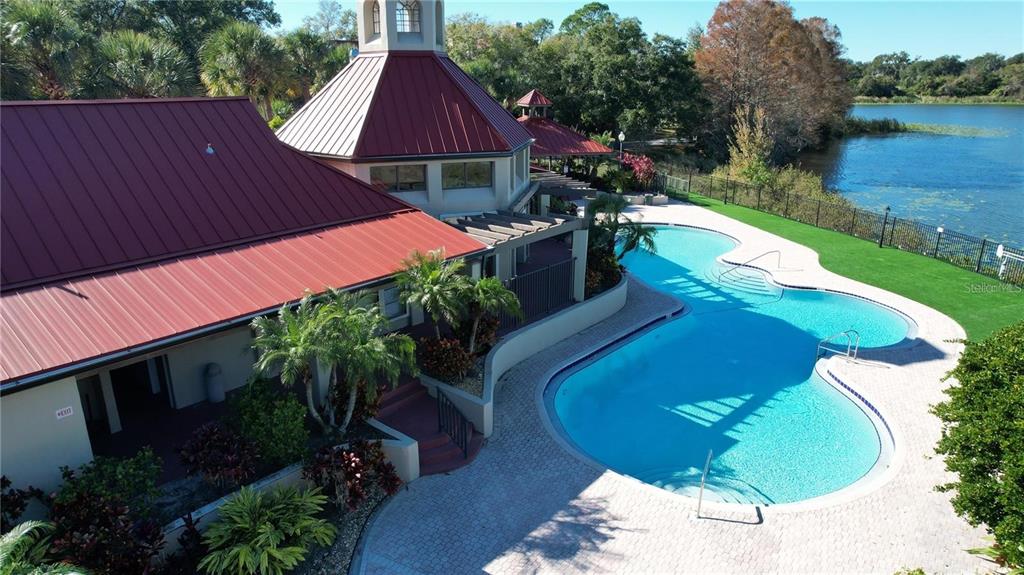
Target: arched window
(376, 17)
(408, 16)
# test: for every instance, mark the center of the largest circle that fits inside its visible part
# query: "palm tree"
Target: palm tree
(614, 229)
(356, 346)
(308, 54)
(241, 58)
(635, 235)
(136, 65)
(24, 550)
(489, 296)
(44, 36)
(290, 342)
(434, 284)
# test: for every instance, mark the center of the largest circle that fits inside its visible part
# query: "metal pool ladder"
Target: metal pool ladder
(703, 478)
(852, 338)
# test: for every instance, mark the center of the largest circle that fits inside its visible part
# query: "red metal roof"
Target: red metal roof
(64, 323)
(533, 98)
(554, 139)
(399, 104)
(95, 185)
(121, 232)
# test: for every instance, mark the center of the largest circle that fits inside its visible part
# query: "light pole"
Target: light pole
(622, 139)
(885, 222)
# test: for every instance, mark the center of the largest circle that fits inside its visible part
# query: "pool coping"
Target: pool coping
(884, 469)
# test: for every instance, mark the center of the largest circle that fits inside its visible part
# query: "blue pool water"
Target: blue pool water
(734, 375)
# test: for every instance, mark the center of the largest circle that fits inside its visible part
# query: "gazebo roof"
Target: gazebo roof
(533, 98)
(400, 105)
(554, 139)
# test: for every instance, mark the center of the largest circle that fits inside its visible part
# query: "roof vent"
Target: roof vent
(209, 149)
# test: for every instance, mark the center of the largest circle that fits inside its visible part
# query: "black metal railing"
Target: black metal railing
(962, 250)
(540, 292)
(451, 421)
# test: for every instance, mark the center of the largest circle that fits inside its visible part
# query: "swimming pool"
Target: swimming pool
(734, 375)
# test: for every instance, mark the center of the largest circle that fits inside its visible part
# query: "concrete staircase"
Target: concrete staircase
(411, 410)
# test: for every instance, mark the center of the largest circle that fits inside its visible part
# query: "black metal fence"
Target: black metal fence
(969, 252)
(451, 421)
(540, 292)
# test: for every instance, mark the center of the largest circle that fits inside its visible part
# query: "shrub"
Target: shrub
(191, 550)
(983, 438)
(25, 550)
(346, 475)
(265, 532)
(603, 271)
(274, 422)
(13, 503)
(561, 205)
(444, 359)
(102, 534)
(486, 333)
(642, 167)
(219, 455)
(129, 481)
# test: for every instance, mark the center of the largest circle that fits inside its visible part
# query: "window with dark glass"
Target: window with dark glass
(467, 175)
(376, 17)
(400, 178)
(407, 16)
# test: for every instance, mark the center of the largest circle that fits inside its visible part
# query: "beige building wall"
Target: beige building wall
(41, 429)
(232, 350)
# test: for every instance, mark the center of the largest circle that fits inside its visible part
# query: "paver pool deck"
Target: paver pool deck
(528, 504)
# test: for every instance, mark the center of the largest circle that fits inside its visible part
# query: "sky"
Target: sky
(925, 29)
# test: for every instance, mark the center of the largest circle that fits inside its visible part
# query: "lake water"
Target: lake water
(969, 183)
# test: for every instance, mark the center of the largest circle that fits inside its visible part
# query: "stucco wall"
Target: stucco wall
(232, 350)
(34, 443)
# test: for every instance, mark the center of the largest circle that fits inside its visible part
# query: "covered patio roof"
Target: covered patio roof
(506, 227)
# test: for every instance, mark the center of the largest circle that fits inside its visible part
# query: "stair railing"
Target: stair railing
(703, 478)
(451, 421)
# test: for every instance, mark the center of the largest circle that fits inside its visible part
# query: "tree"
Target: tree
(134, 65)
(331, 22)
(43, 35)
(489, 296)
(750, 146)
(308, 54)
(436, 285)
(360, 353)
(755, 53)
(24, 550)
(242, 59)
(290, 343)
(983, 438)
(610, 227)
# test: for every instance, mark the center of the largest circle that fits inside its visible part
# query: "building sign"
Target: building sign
(65, 412)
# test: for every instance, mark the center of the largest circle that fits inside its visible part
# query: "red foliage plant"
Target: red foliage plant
(219, 455)
(346, 475)
(445, 359)
(642, 166)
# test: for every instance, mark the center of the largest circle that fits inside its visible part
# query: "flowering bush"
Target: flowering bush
(642, 166)
(219, 455)
(346, 475)
(444, 359)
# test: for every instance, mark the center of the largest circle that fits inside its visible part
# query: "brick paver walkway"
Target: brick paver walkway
(529, 505)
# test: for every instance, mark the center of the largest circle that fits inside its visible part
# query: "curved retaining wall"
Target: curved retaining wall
(523, 343)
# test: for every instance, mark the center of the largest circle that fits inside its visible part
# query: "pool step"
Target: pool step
(743, 280)
(718, 488)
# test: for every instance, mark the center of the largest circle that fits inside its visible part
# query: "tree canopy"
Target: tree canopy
(897, 74)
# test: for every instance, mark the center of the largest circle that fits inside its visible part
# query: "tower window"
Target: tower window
(407, 16)
(376, 17)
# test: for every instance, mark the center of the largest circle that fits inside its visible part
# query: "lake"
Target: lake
(969, 183)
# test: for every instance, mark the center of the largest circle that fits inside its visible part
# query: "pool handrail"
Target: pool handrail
(703, 478)
(778, 263)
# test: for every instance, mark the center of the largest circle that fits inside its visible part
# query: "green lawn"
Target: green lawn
(980, 304)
